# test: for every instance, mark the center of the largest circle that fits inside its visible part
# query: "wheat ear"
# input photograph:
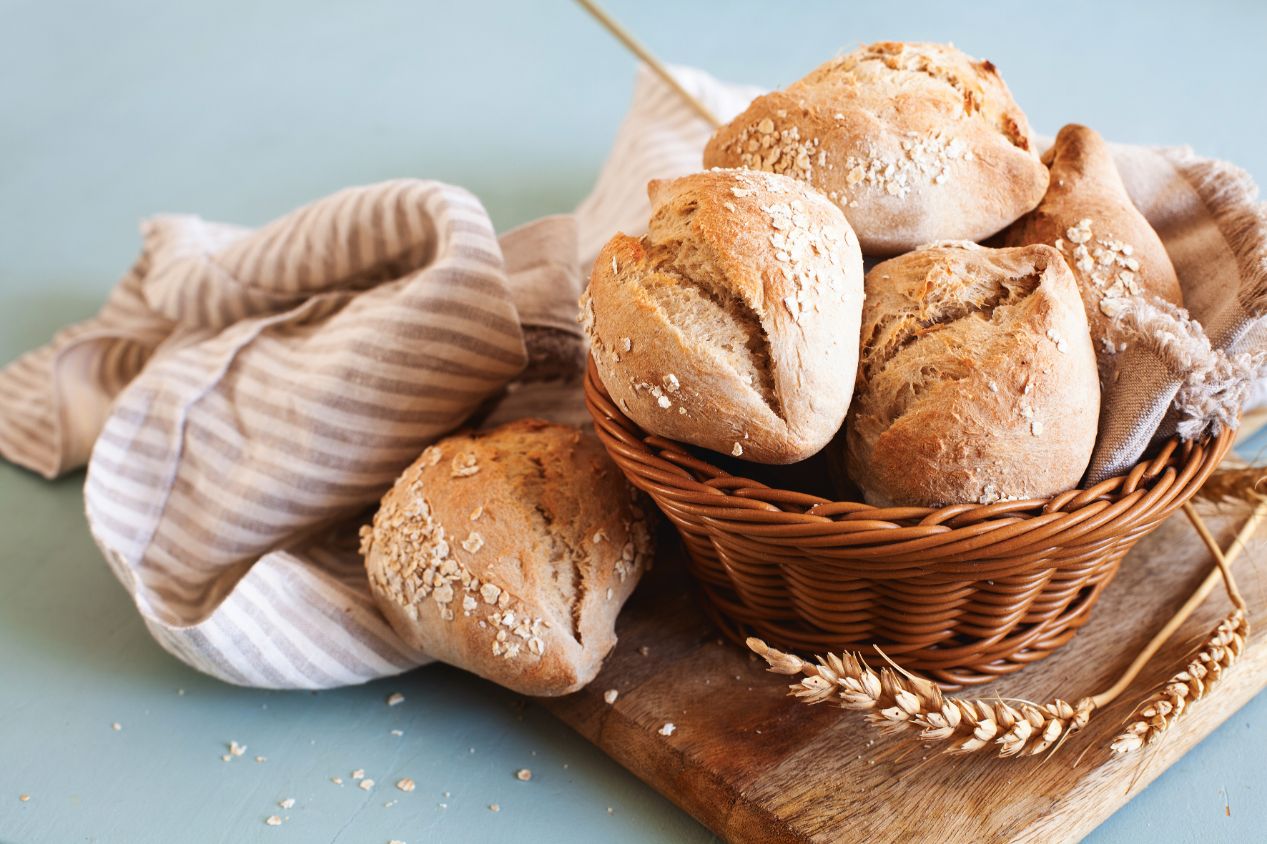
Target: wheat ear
(1217, 654)
(1225, 643)
(900, 701)
(1246, 483)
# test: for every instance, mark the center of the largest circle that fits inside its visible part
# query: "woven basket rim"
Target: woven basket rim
(703, 488)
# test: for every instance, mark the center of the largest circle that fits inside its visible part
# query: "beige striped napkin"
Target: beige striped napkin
(247, 396)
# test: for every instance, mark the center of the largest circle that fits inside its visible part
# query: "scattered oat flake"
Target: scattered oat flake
(288, 803)
(644, 650)
(398, 732)
(273, 820)
(261, 759)
(395, 698)
(337, 780)
(626, 344)
(737, 451)
(25, 798)
(610, 696)
(236, 749)
(406, 784)
(116, 726)
(395, 841)
(523, 775)
(358, 774)
(493, 807)
(366, 784)
(226, 758)
(668, 728)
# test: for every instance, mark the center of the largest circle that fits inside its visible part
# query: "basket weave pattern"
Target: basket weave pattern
(963, 593)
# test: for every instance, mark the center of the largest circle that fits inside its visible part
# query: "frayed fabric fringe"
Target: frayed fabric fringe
(1213, 383)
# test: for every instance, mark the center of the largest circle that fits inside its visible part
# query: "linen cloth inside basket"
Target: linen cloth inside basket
(244, 397)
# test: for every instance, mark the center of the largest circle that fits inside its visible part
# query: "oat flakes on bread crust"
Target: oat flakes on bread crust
(977, 382)
(916, 142)
(1088, 216)
(733, 323)
(509, 553)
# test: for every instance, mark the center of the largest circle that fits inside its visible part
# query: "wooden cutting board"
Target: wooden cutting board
(754, 765)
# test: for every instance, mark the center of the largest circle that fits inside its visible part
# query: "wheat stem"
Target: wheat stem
(636, 47)
(1222, 561)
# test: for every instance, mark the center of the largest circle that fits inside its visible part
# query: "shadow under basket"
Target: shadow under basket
(961, 594)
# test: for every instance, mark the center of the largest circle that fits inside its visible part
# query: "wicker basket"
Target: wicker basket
(963, 593)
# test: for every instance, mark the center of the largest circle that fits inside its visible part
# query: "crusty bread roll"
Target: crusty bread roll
(1088, 216)
(978, 381)
(916, 142)
(509, 553)
(733, 324)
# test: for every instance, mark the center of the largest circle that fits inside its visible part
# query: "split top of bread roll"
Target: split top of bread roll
(1088, 216)
(916, 142)
(509, 553)
(733, 324)
(977, 382)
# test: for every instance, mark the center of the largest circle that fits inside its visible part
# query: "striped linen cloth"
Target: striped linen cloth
(247, 396)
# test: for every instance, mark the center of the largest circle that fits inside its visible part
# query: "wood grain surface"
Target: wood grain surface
(755, 765)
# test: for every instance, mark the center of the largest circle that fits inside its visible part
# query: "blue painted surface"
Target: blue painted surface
(238, 110)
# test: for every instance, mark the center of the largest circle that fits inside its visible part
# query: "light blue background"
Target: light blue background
(110, 111)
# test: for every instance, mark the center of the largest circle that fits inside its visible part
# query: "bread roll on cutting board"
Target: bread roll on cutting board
(509, 553)
(916, 142)
(733, 323)
(1088, 216)
(977, 382)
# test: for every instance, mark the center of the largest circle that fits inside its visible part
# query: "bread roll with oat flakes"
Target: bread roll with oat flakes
(978, 381)
(509, 553)
(916, 142)
(1088, 216)
(733, 323)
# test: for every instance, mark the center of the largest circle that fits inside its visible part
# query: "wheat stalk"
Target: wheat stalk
(896, 702)
(1155, 715)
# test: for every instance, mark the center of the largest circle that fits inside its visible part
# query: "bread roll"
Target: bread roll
(978, 381)
(1088, 216)
(509, 554)
(916, 142)
(733, 324)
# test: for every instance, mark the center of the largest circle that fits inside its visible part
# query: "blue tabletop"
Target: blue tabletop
(241, 110)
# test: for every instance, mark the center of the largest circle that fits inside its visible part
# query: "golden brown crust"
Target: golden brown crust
(915, 142)
(1088, 216)
(733, 323)
(509, 553)
(977, 382)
